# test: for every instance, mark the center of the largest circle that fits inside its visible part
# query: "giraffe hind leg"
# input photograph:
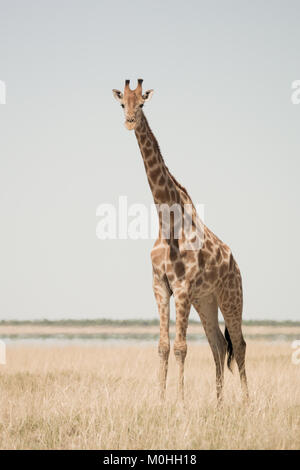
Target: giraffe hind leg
(207, 309)
(231, 305)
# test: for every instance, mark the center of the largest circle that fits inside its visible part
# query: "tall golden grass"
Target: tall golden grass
(89, 397)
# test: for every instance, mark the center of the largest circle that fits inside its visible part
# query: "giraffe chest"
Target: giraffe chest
(177, 266)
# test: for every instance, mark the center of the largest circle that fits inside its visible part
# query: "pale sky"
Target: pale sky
(221, 111)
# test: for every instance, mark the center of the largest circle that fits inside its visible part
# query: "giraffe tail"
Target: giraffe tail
(230, 355)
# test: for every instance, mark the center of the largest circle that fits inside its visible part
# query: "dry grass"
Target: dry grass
(194, 328)
(106, 398)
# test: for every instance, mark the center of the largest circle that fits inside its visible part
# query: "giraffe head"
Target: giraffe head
(132, 101)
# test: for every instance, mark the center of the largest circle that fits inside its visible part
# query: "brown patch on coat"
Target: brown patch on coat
(143, 138)
(152, 161)
(147, 152)
(179, 269)
(162, 180)
(201, 259)
(173, 252)
(223, 270)
(211, 274)
(208, 245)
(154, 174)
(162, 195)
(218, 255)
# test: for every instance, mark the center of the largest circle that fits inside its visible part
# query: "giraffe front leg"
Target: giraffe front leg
(162, 295)
(183, 306)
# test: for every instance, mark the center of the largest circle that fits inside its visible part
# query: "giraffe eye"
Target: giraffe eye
(122, 105)
(141, 105)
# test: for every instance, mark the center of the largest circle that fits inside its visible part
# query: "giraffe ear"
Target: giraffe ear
(148, 95)
(118, 95)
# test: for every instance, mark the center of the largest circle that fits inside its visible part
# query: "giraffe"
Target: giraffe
(206, 278)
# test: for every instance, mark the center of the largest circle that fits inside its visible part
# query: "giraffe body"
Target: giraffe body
(207, 277)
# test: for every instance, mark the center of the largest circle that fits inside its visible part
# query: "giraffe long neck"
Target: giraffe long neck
(164, 187)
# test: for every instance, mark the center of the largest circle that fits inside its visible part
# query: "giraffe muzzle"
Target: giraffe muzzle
(130, 123)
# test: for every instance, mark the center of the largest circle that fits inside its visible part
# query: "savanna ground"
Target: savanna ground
(106, 397)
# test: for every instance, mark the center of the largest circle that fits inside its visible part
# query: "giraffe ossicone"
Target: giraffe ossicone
(207, 277)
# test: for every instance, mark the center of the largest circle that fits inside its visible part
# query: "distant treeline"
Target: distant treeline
(135, 322)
